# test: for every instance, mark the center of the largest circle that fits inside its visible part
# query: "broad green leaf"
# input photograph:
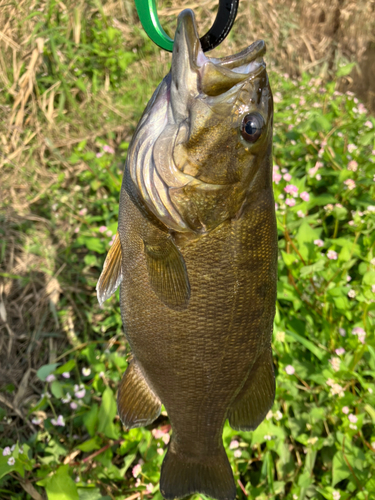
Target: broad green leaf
(340, 470)
(56, 389)
(107, 413)
(60, 486)
(345, 70)
(314, 268)
(289, 258)
(66, 367)
(46, 370)
(90, 445)
(90, 419)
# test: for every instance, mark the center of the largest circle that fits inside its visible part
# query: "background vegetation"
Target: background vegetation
(74, 79)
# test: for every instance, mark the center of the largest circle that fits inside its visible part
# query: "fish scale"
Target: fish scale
(198, 277)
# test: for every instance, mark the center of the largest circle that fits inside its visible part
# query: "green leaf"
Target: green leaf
(60, 486)
(46, 370)
(92, 244)
(340, 470)
(107, 413)
(90, 419)
(288, 258)
(314, 268)
(345, 70)
(93, 493)
(67, 367)
(57, 390)
(308, 344)
(90, 445)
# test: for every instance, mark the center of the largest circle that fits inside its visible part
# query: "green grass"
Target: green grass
(319, 440)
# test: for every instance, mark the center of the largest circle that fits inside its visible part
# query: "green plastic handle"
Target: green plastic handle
(148, 16)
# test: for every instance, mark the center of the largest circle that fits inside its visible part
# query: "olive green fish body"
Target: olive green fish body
(196, 256)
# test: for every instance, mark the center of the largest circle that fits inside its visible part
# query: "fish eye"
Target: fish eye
(252, 127)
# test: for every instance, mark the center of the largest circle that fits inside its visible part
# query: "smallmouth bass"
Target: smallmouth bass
(196, 257)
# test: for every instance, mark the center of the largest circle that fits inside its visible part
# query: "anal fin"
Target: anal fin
(256, 397)
(137, 404)
(111, 275)
(167, 272)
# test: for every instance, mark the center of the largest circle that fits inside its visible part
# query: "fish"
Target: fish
(195, 257)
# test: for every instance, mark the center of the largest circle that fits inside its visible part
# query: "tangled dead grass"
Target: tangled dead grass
(300, 35)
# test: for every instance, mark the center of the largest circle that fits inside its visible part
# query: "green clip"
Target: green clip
(148, 16)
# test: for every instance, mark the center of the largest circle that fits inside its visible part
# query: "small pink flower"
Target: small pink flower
(276, 206)
(351, 148)
(342, 332)
(73, 405)
(83, 211)
(277, 178)
(157, 433)
(291, 189)
(166, 438)
(332, 255)
(348, 278)
(102, 229)
(362, 109)
(318, 177)
(351, 294)
(76, 230)
(149, 488)
(136, 470)
(108, 149)
(352, 418)
(373, 288)
(58, 422)
(305, 196)
(66, 375)
(160, 451)
(345, 409)
(237, 453)
(351, 223)
(350, 183)
(80, 394)
(290, 202)
(290, 370)
(369, 124)
(50, 378)
(340, 351)
(287, 177)
(6, 451)
(319, 243)
(36, 421)
(300, 214)
(234, 444)
(335, 363)
(353, 166)
(99, 155)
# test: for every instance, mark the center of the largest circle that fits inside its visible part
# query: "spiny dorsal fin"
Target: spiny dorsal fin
(111, 275)
(168, 274)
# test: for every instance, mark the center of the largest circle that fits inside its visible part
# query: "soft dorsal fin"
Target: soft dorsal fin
(111, 275)
(167, 272)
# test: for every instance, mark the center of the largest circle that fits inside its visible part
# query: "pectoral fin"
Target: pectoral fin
(111, 275)
(136, 402)
(167, 273)
(256, 397)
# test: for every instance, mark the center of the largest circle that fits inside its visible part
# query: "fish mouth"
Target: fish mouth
(215, 75)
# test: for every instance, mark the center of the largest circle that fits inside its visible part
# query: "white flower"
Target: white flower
(312, 440)
(353, 426)
(335, 363)
(50, 378)
(11, 461)
(237, 453)
(351, 294)
(269, 415)
(66, 375)
(290, 370)
(160, 451)
(278, 415)
(267, 437)
(336, 495)
(86, 372)
(234, 444)
(80, 394)
(6, 451)
(166, 438)
(67, 398)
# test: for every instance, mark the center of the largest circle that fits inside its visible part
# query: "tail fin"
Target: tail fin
(181, 476)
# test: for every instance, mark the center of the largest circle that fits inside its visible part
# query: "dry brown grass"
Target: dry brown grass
(300, 35)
